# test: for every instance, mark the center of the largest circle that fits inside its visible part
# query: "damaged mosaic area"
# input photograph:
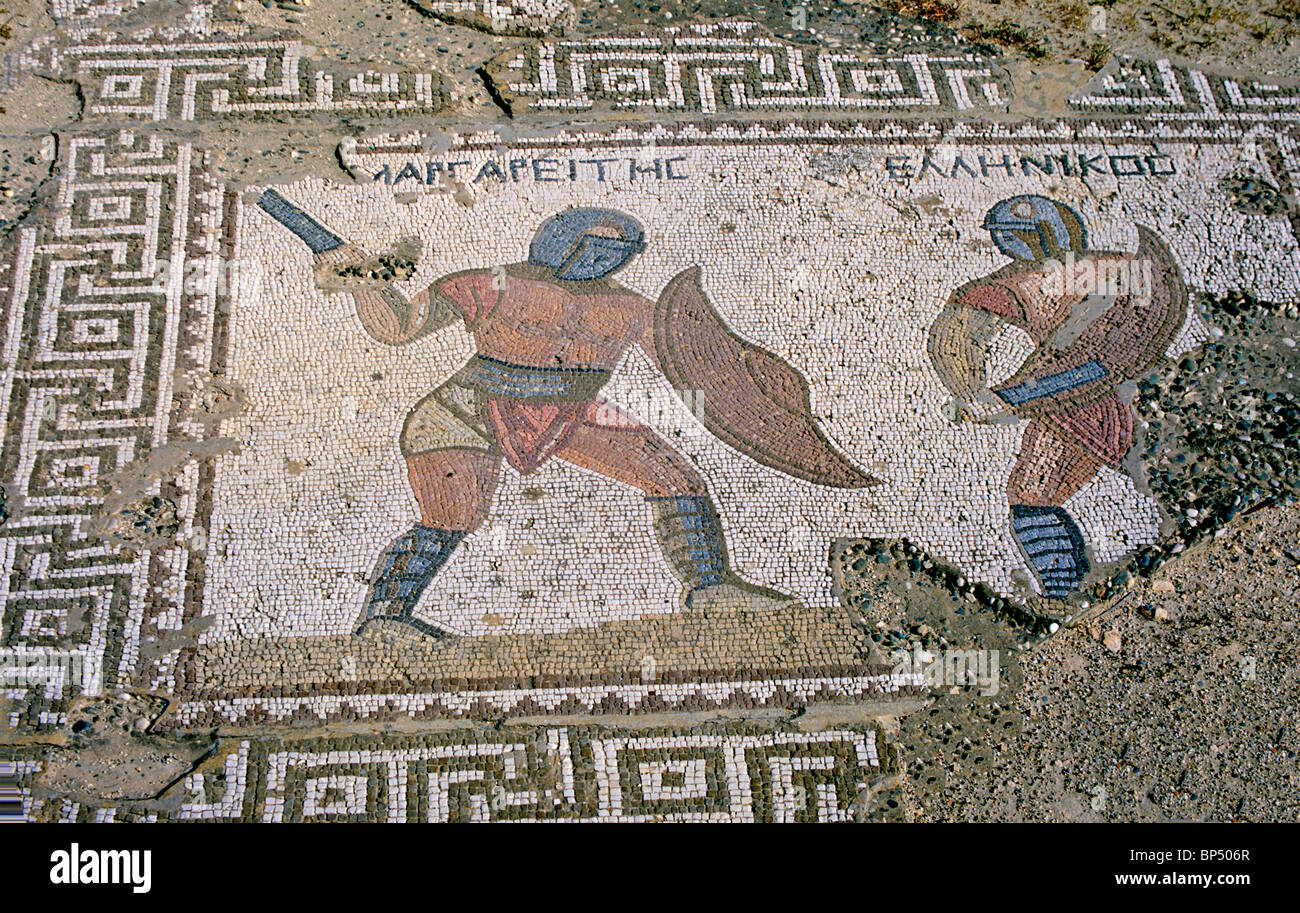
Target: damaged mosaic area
(771, 367)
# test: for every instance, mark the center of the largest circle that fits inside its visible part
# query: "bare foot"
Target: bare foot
(737, 596)
(403, 630)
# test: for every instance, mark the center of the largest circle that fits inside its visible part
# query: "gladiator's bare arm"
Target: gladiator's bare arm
(385, 313)
(959, 347)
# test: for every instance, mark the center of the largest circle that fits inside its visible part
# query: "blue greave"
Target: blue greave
(406, 568)
(1054, 546)
(690, 535)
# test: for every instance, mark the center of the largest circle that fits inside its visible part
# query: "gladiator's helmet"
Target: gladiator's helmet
(586, 243)
(1036, 228)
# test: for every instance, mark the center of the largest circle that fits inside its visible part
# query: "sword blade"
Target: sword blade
(315, 235)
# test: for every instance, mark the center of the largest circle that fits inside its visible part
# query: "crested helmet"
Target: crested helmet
(581, 244)
(1036, 228)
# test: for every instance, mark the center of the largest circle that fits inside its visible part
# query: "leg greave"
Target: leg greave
(690, 534)
(1054, 546)
(406, 568)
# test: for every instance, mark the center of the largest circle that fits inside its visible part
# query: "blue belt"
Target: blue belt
(1052, 384)
(530, 382)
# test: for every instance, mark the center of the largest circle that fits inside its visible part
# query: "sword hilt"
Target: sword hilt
(315, 235)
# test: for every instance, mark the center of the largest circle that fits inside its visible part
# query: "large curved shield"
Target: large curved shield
(748, 397)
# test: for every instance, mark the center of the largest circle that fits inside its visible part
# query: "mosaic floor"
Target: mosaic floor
(598, 437)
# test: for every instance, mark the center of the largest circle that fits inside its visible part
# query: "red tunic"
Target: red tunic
(1092, 415)
(527, 432)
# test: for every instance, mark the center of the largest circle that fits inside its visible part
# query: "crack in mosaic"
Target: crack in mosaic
(506, 17)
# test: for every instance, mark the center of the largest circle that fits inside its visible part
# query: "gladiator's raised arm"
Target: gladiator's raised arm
(385, 313)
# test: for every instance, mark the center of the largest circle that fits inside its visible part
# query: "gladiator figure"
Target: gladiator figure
(1097, 320)
(548, 332)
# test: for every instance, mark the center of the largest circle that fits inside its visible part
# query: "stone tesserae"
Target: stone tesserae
(560, 411)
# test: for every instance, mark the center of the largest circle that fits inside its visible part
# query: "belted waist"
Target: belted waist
(501, 378)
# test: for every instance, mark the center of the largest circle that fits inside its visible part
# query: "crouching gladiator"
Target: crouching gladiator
(1097, 319)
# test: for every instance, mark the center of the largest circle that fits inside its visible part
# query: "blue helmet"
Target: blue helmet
(1033, 227)
(586, 243)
